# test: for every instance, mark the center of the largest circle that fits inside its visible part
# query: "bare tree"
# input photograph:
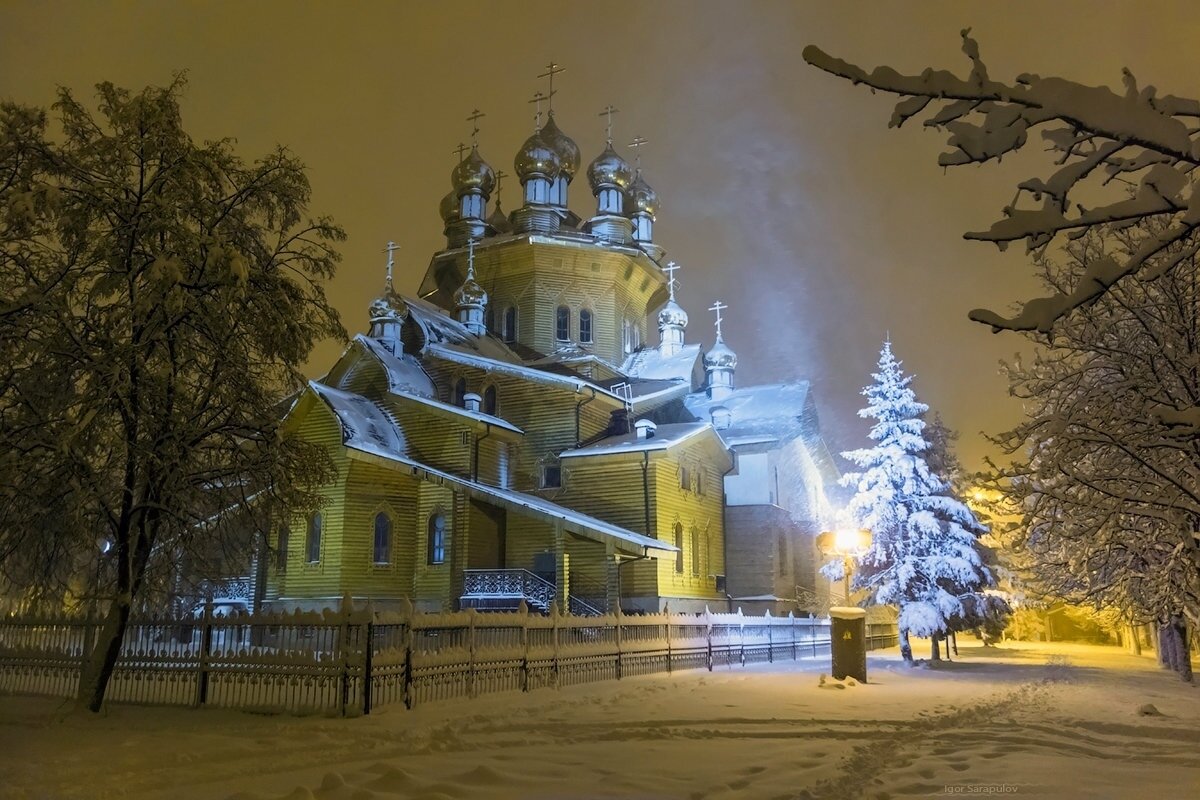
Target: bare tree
(1138, 149)
(160, 297)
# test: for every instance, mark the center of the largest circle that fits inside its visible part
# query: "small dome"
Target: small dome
(536, 159)
(720, 356)
(470, 294)
(563, 145)
(473, 173)
(499, 220)
(609, 169)
(672, 314)
(390, 307)
(448, 208)
(642, 197)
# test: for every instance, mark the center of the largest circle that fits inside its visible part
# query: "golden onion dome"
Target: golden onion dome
(609, 169)
(473, 173)
(470, 294)
(642, 197)
(448, 208)
(720, 356)
(537, 159)
(563, 145)
(672, 314)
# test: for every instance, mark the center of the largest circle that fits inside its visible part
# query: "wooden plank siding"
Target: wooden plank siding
(698, 509)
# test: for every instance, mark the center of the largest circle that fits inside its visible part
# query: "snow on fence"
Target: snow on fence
(348, 661)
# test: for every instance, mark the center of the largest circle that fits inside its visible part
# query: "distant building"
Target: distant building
(509, 435)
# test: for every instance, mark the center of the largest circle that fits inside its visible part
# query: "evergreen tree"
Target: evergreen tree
(923, 540)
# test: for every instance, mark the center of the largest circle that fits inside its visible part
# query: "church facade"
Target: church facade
(511, 434)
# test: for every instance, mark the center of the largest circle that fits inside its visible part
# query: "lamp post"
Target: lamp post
(847, 544)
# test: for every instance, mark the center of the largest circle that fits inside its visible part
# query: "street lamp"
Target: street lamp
(845, 543)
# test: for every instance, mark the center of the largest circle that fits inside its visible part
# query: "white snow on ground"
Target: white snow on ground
(1022, 720)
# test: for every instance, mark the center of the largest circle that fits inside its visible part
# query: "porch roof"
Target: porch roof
(572, 521)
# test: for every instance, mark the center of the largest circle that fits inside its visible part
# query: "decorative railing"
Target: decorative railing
(351, 661)
(535, 590)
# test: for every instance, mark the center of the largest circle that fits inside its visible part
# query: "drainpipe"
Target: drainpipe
(646, 489)
(478, 439)
(725, 534)
(579, 406)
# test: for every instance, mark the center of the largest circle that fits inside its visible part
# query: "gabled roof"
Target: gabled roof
(521, 371)
(404, 372)
(442, 330)
(778, 411)
(650, 363)
(364, 424)
(664, 437)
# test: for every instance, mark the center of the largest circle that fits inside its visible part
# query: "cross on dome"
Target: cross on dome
(636, 144)
(391, 248)
(474, 120)
(462, 148)
(670, 269)
(718, 307)
(608, 111)
(471, 259)
(552, 69)
(538, 97)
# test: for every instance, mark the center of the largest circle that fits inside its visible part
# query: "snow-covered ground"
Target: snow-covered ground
(1026, 720)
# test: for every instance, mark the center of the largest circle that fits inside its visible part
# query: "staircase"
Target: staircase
(504, 589)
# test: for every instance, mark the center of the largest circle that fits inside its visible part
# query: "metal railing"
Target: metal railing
(536, 591)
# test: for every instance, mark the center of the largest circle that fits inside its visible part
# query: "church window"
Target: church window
(627, 336)
(437, 538)
(460, 392)
(281, 549)
(585, 326)
(383, 538)
(695, 551)
(685, 478)
(700, 474)
(636, 333)
(562, 324)
(510, 324)
(489, 401)
(313, 544)
(551, 476)
(679, 548)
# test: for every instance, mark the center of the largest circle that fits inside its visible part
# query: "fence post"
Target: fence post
(471, 680)
(770, 636)
(554, 630)
(792, 625)
(205, 651)
(667, 617)
(708, 635)
(617, 618)
(742, 634)
(368, 648)
(523, 610)
(343, 633)
(409, 616)
(812, 634)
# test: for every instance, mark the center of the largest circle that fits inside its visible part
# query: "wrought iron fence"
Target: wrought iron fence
(351, 661)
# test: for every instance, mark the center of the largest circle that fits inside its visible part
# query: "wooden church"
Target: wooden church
(511, 435)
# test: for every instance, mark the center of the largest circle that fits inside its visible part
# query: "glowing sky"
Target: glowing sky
(783, 192)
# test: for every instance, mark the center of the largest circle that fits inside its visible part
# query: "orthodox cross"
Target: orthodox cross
(636, 144)
(500, 175)
(462, 148)
(471, 259)
(391, 248)
(552, 69)
(718, 307)
(474, 120)
(538, 97)
(608, 112)
(670, 269)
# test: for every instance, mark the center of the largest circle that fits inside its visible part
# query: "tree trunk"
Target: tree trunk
(93, 680)
(1167, 637)
(1161, 646)
(1135, 644)
(953, 643)
(905, 646)
(935, 654)
(1183, 656)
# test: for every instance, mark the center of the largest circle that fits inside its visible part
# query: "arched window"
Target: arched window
(460, 392)
(489, 401)
(695, 551)
(510, 324)
(281, 549)
(626, 336)
(562, 324)
(585, 325)
(679, 544)
(312, 545)
(636, 334)
(436, 545)
(383, 538)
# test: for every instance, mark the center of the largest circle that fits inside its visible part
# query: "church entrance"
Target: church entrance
(486, 543)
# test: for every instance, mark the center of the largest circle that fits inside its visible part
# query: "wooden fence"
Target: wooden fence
(351, 661)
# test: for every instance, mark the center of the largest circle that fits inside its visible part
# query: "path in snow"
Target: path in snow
(1037, 720)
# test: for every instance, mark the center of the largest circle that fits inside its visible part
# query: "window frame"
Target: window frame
(586, 316)
(491, 400)
(387, 545)
(459, 393)
(554, 468)
(435, 539)
(312, 540)
(678, 530)
(696, 565)
(282, 540)
(508, 324)
(562, 324)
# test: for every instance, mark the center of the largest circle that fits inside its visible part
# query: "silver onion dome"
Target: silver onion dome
(470, 294)
(563, 145)
(672, 314)
(642, 197)
(720, 356)
(473, 173)
(387, 308)
(537, 158)
(448, 208)
(609, 169)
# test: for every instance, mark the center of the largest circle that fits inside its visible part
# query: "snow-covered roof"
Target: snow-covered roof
(572, 521)
(404, 372)
(441, 329)
(516, 370)
(459, 411)
(365, 426)
(665, 436)
(775, 410)
(650, 363)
